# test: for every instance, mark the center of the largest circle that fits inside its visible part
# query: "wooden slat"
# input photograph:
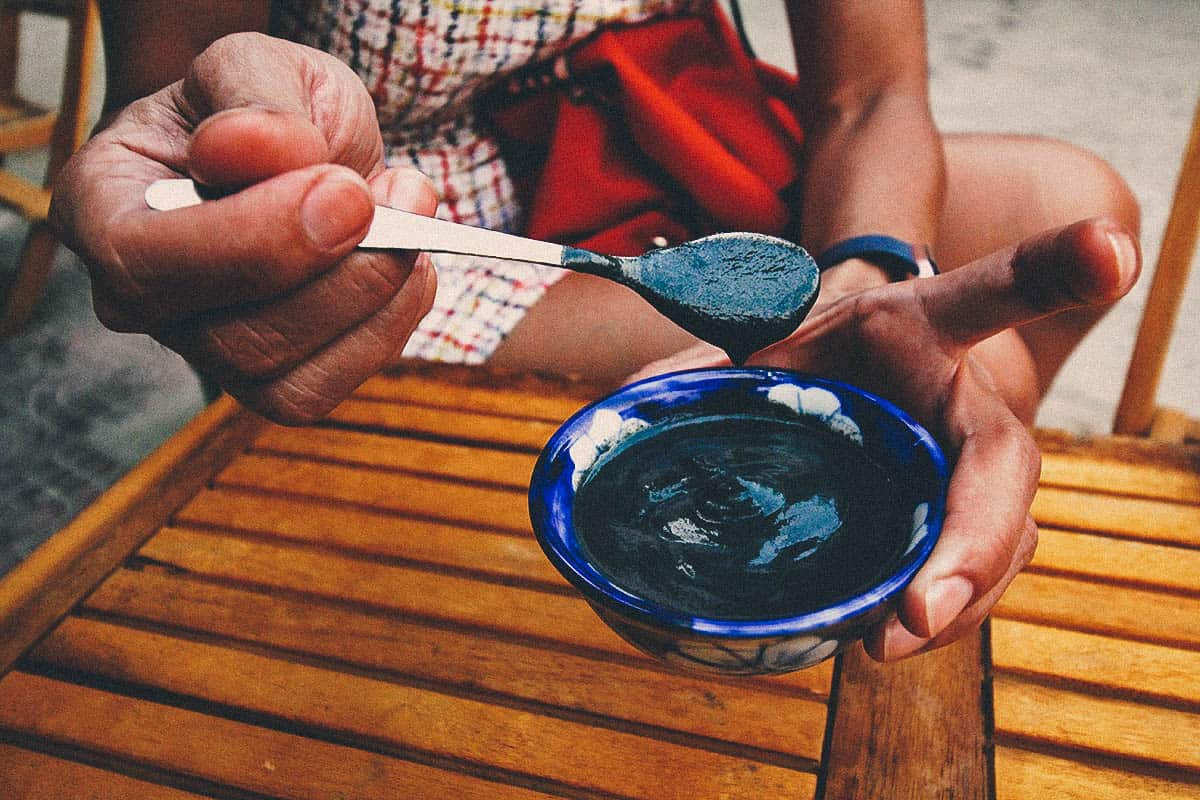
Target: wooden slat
(1119, 560)
(514, 611)
(30, 199)
(35, 776)
(358, 530)
(24, 125)
(408, 494)
(222, 751)
(1137, 614)
(1155, 520)
(545, 398)
(411, 455)
(1106, 665)
(1025, 775)
(43, 588)
(779, 716)
(527, 434)
(509, 609)
(911, 729)
(1111, 727)
(695, 708)
(1111, 476)
(407, 719)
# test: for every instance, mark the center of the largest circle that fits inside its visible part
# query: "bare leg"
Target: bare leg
(1000, 189)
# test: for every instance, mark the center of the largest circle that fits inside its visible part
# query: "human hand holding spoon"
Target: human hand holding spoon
(738, 291)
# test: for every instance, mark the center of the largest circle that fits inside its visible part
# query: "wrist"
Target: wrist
(854, 275)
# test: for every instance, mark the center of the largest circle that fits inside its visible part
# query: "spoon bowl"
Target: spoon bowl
(739, 291)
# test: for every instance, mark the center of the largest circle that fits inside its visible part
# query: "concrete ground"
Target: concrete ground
(80, 405)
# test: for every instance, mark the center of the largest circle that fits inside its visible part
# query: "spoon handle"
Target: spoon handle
(398, 230)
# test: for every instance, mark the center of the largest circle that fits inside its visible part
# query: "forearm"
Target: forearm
(873, 155)
(875, 168)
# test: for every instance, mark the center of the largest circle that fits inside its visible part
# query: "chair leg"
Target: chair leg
(33, 268)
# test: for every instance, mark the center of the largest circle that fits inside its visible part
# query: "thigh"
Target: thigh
(592, 327)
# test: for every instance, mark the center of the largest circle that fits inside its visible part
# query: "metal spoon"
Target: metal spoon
(739, 291)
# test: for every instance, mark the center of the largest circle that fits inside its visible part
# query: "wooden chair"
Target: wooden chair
(25, 125)
(1138, 413)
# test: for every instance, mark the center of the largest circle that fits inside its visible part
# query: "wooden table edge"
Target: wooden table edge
(44, 587)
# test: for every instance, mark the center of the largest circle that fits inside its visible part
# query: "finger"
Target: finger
(406, 189)
(891, 640)
(266, 339)
(1093, 262)
(249, 246)
(262, 340)
(697, 356)
(313, 388)
(241, 146)
(987, 508)
(250, 70)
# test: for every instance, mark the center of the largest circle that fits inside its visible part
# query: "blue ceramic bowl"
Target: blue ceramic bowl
(741, 647)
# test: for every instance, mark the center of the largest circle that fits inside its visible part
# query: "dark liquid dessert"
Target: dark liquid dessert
(740, 517)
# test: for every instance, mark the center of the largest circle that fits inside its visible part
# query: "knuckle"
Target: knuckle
(1026, 448)
(219, 53)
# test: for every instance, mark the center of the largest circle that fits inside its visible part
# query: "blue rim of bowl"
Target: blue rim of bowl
(598, 588)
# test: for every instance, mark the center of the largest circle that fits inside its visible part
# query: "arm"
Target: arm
(944, 348)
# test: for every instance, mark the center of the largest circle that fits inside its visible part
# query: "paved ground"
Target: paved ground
(80, 405)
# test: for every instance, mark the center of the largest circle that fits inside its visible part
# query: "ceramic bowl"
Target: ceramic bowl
(891, 438)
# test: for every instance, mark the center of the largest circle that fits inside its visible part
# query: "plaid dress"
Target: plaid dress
(426, 64)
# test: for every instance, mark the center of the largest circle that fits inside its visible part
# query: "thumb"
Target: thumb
(262, 106)
(1089, 263)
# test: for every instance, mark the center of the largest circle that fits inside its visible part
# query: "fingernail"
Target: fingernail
(406, 189)
(898, 642)
(336, 207)
(945, 600)
(1127, 257)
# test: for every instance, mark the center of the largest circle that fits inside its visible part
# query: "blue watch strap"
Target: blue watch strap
(898, 258)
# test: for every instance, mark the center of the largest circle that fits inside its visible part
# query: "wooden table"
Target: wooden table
(359, 610)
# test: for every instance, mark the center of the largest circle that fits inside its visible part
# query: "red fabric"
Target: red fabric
(697, 138)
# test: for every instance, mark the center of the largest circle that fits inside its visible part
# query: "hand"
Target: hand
(262, 290)
(943, 349)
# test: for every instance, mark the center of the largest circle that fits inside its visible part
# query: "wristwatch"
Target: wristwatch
(899, 259)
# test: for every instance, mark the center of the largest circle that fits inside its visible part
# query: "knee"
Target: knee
(1088, 186)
